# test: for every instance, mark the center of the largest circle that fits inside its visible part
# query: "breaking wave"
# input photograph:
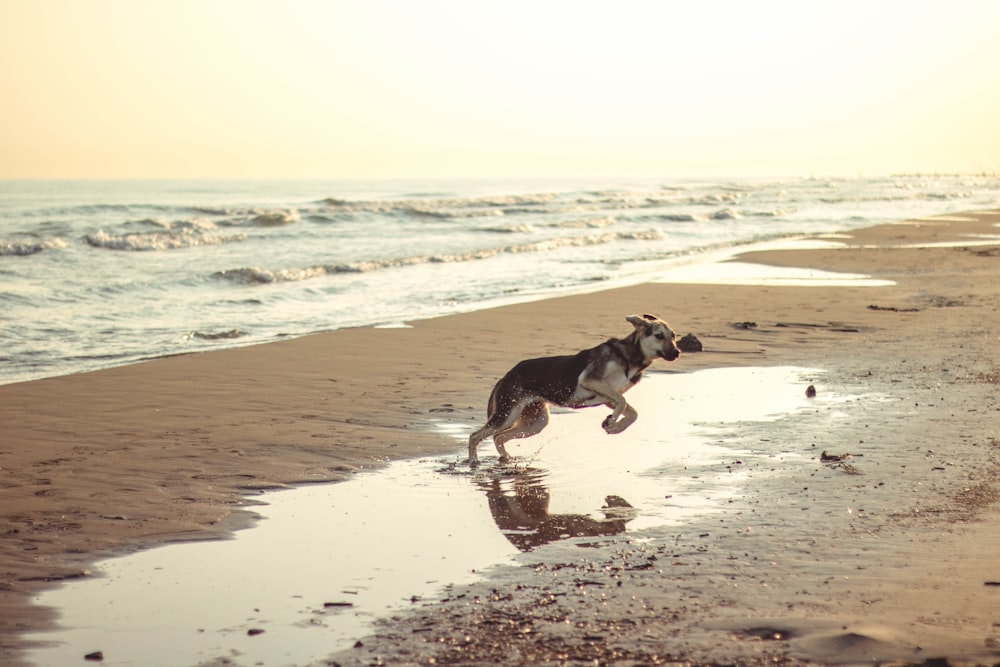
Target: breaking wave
(554, 204)
(192, 224)
(167, 240)
(259, 276)
(25, 248)
(522, 228)
(726, 214)
(430, 206)
(275, 218)
(218, 335)
(585, 223)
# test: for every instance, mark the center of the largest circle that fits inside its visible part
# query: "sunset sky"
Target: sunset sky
(476, 88)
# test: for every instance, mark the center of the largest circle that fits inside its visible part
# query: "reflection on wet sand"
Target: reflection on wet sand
(519, 503)
(369, 542)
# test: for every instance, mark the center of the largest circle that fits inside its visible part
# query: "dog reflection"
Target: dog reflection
(523, 516)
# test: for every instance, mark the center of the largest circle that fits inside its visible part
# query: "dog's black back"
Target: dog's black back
(546, 376)
(555, 378)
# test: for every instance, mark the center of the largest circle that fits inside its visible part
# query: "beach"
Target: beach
(888, 555)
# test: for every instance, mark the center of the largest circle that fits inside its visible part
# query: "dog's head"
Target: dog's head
(656, 338)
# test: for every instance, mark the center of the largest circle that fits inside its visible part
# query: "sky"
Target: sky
(506, 88)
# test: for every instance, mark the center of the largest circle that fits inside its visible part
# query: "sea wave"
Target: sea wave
(260, 276)
(554, 204)
(196, 224)
(151, 241)
(439, 204)
(25, 248)
(911, 195)
(230, 217)
(454, 214)
(514, 228)
(776, 213)
(584, 223)
(275, 218)
(673, 217)
(726, 214)
(218, 335)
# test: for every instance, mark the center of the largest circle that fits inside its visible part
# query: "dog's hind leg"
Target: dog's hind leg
(476, 438)
(497, 422)
(534, 417)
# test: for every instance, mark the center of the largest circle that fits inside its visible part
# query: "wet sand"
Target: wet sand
(895, 562)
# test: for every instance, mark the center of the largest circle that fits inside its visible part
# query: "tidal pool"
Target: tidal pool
(325, 561)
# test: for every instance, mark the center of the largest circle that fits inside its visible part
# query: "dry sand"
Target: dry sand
(896, 563)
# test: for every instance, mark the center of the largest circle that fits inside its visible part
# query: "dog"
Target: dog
(519, 403)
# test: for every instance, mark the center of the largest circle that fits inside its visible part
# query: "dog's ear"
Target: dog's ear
(638, 321)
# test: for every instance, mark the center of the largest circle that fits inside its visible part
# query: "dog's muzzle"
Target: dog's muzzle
(671, 354)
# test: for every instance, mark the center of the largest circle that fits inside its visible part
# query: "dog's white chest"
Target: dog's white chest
(584, 397)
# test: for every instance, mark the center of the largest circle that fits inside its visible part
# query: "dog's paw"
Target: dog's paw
(615, 427)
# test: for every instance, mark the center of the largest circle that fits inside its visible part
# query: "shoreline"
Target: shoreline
(192, 437)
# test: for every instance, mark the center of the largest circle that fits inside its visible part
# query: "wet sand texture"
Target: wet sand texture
(100, 463)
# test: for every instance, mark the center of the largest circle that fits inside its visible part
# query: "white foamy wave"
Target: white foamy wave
(679, 217)
(259, 276)
(649, 235)
(586, 223)
(195, 224)
(725, 214)
(445, 207)
(278, 217)
(776, 213)
(529, 204)
(716, 199)
(25, 248)
(246, 276)
(564, 242)
(170, 240)
(275, 218)
(217, 335)
(149, 222)
(523, 228)
(198, 224)
(458, 214)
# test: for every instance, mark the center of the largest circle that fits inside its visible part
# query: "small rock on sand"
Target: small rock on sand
(689, 343)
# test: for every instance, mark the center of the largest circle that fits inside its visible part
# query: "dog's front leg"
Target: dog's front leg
(622, 415)
(628, 415)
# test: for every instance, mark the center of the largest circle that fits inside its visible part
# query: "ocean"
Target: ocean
(102, 273)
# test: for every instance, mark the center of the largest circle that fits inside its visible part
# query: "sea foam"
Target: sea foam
(25, 248)
(148, 241)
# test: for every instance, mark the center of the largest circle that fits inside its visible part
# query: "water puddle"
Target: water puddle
(325, 561)
(744, 273)
(722, 268)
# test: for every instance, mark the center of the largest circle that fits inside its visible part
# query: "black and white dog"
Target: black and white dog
(519, 403)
